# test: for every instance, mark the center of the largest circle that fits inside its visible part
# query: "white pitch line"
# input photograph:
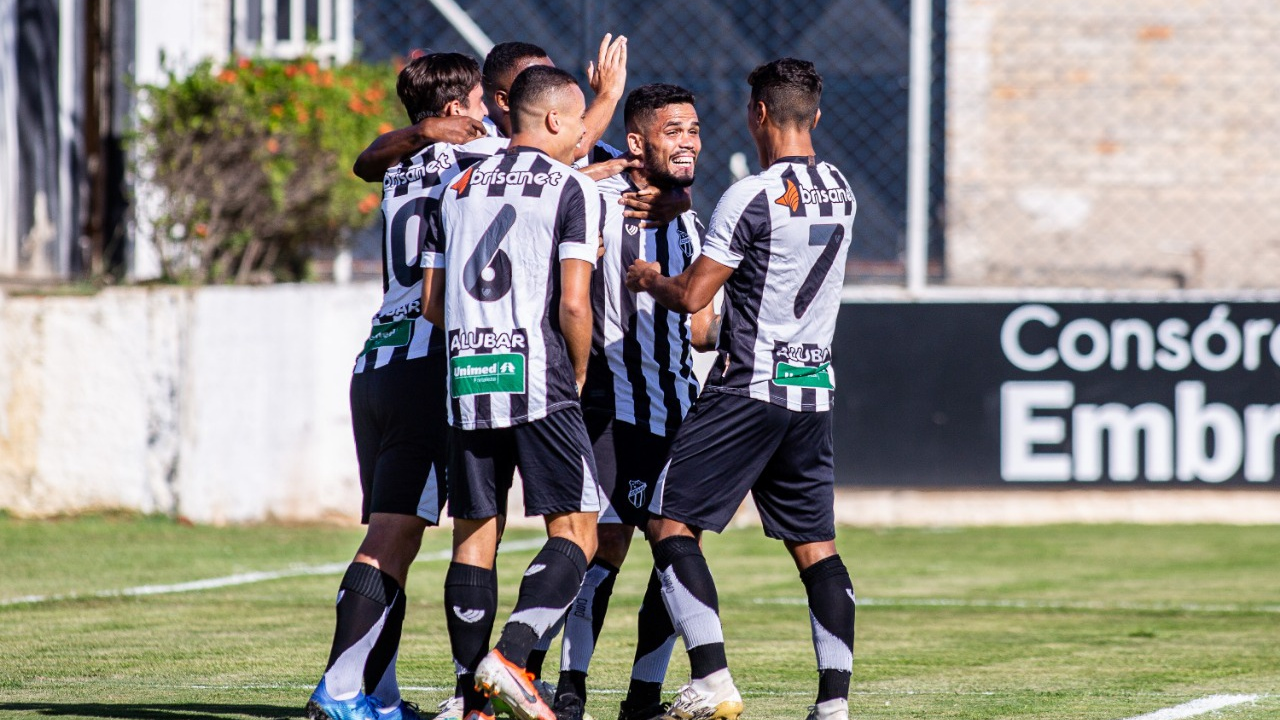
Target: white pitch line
(1041, 605)
(1196, 707)
(238, 579)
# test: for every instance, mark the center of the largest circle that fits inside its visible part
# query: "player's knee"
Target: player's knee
(661, 528)
(614, 542)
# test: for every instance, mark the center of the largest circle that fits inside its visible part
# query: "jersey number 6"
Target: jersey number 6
(487, 275)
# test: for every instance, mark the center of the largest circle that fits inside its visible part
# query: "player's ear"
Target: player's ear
(635, 144)
(759, 112)
(500, 99)
(553, 122)
(816, 117)
(452, 108)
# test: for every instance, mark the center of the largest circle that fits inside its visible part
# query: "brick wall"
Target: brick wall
(1113, 144)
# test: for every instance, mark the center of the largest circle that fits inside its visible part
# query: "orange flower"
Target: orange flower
(374, 94)
(303, 115)
(326, 78)
(356, 106)
(227, 76)
(385, 127)
(244, 62)
(277, 111)
(273, 146)
(202, 230)
(369, 203)
(311, 68)
(290, 70)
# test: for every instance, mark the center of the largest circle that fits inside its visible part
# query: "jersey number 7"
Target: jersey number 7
(831, 235)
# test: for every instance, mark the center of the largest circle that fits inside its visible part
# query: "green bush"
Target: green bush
(254, 163)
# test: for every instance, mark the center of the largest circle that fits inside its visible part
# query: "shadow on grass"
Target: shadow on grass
(154, 711)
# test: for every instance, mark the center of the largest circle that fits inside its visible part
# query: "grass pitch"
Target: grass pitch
(1051, 623)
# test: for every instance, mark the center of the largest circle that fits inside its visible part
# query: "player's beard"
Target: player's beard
(660, 176)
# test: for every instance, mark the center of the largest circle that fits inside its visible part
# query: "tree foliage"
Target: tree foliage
(253, 162)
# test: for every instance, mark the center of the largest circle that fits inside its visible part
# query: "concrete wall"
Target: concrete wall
(217, 404)
(1106, 144)
(230, 405)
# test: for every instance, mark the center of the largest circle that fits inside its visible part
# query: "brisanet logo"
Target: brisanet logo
(1197, 422)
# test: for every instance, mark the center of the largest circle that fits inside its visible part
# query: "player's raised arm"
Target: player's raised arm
(608, 79)
(688, 292)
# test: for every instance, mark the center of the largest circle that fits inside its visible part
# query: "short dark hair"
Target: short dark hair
(504, 57)
(789, 88)
(532, 86)
(430, 82)
(646, 100)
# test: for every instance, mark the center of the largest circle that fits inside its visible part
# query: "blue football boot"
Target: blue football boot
(322, 706)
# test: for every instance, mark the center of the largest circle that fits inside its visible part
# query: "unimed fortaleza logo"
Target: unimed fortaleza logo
(1047, 436)
(498, 367)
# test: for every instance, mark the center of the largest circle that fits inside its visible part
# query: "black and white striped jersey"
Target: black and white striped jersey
(786, 231)
(502, 229)
(641, 356)
(410, 191)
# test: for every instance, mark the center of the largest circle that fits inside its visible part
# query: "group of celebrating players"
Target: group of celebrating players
(543, 296)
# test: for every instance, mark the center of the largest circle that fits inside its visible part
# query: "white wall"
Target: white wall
(218, 404)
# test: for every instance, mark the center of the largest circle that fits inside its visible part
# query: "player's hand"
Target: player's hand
(455, 130)
(654, 207)
(608, 74)
(609, 168)
(641, 275)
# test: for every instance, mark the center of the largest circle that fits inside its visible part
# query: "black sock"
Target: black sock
(549, 585)
(573, 683)
(364, 599)
(689, 593)
(832, 605)
(470, 602)
(380, 668)
(643, 694)
(534, 663)
(655, 640)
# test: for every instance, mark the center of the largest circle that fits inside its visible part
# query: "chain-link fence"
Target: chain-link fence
(1069, 143)
(860, 47)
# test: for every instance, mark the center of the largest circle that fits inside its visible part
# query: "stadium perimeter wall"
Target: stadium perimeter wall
(227, 405)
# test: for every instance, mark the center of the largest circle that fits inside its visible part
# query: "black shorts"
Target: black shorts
(400, 420)
(729, 445)
(557, 469)
(629, 459)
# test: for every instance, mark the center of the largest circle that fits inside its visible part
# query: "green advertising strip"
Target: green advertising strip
(801, 376)
(485, 374)
(392, 334)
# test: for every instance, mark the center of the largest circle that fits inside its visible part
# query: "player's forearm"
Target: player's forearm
(575, 325)
(704, 330)
(387, 150)
(433, 296)
(676, 293)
